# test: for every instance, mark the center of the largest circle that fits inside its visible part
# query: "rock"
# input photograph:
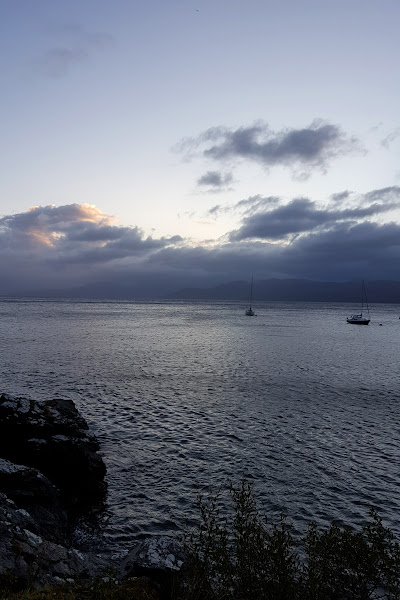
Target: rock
(31, 559)
(159, 559)
(153, 553)
(50, 473)
(53, 438)
(35, 494)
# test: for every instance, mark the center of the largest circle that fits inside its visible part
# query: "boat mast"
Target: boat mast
(251, 291)
(364, 292)
(362, 297)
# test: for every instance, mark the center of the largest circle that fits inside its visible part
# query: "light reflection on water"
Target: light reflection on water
(187, 395)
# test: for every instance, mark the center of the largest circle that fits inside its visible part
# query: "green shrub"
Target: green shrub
(242, 556)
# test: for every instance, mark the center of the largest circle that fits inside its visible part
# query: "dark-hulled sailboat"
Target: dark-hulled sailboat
(360, 319)
(250, 312)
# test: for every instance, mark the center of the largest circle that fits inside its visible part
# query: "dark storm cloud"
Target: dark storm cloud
(301, 215)
(343, 252)
(69, 246)
(312, 146)
(129, 245)
(339, 254)
(74, 46)
(215, 179)
(91, 232)
(115, 241)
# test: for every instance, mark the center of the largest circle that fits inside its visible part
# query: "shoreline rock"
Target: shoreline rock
(54, 438)
(33, 560)
(50, 474)
(34, 494)
(52, 477)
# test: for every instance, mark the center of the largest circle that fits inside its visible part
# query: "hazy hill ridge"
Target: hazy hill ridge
(296, 290)
(300, 290)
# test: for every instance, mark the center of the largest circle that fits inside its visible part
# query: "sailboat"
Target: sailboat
(250, 312)
(360, 319)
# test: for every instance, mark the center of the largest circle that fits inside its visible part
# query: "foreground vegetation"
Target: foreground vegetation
(245, 557)
(101, 588)
(241, 556)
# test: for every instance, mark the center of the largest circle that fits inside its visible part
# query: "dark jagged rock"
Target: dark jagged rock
(53, 438)
(160, 559)
(33, 560)
(159, 553)
(35, 494)
(50, 473)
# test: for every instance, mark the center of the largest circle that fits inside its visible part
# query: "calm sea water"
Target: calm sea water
(184, 396)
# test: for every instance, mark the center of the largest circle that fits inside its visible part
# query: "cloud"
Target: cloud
(340, 254)
(391, 137)
(61, 245)
(339, 197)
(49, 225)
(74, 46)
(255, 203)
(314, 146)
(344, 252)
(385, 195)
(247, 206)
(77, 245)
(215, 210)
(215, 179)
(301, 215)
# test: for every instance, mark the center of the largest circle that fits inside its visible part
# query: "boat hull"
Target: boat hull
(363, 322)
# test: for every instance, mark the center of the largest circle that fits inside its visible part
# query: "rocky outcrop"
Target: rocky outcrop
(33, 493)
(160, 559)
(50, 473)
(154, 554)
(34, 560)
(53, 438)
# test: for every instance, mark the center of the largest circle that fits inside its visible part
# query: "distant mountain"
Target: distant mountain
(298, 290)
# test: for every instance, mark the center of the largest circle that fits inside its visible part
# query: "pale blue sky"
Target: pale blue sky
(98, 97)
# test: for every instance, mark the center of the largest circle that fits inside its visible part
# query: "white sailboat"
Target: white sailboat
(250, 312)
(360, 319)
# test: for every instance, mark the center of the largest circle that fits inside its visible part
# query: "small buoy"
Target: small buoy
(380, 324)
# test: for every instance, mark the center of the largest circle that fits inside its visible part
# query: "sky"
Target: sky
(178, 143)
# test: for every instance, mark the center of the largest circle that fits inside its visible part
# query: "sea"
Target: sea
(187, 397)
